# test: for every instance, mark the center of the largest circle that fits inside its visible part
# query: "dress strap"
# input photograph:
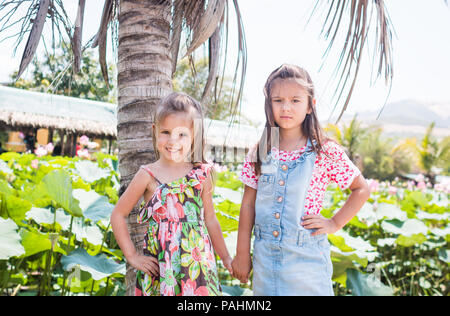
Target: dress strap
(150, 173)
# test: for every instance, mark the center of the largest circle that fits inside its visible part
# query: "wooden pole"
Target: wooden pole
(50, 136)
(110, 144)
(63, 143)
(74, 145)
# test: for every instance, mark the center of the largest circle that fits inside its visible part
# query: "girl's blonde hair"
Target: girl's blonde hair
(310, 126)
(179, 102)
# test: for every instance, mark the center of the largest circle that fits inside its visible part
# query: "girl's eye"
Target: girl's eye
(296, 101)
(183, 135)
(165, 132)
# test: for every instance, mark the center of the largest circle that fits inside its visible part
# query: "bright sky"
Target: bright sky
(276, 33)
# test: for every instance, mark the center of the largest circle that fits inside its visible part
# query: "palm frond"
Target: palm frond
(31, 23)
(101, 37)
(214, 58)
(177, 28)
(34, 37)
(358, 33)
(207, 21)
(77, 36)
(203, 22)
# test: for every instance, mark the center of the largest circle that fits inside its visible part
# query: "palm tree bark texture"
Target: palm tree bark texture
(144, 77)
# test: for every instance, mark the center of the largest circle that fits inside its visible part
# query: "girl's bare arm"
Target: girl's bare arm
(127, 201)
(242, 261)
(360, 194)
(213, 226)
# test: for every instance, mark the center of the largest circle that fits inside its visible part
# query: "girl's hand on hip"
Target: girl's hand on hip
(147, 264)
(322, 224)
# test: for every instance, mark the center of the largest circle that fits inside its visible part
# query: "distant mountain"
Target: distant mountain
(408, 118)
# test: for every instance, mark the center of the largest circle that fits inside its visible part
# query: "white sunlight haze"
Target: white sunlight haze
(276, 33)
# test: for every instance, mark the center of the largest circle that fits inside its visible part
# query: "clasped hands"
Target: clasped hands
(242, 263)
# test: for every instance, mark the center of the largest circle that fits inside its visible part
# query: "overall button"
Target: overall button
(280, 199)
(277, 215)
(275, 233)
(284, 167)
(281, 182)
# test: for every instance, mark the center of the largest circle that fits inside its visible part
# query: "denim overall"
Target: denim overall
(287, 260)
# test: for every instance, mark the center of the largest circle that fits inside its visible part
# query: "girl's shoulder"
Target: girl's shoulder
(332, 149)
(148, 169)
(203, 168)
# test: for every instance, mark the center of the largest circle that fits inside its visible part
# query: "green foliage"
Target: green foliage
(192, 80)
(433, 153)
(395, 245)
(55, 74)
(56, 239)
(381, 159)
(56, 218)
(350, 137)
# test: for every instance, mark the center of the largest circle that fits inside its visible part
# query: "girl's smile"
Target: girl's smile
(174, 137)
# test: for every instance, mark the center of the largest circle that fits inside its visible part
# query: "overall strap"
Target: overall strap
(151, 173)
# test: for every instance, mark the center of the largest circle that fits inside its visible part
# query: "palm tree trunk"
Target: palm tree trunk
(144, 77)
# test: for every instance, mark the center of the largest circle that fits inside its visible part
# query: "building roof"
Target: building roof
(20, 107)
(221, 133)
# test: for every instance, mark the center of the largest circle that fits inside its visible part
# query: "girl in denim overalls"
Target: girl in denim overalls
(286, 176)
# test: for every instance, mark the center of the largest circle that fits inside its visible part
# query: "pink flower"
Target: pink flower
(373, 185)
(419, 178)
(175, 210)
(439, 187)
(392, 190)
(49, 147)
(34, 164)
(83, 153)
(92, 145)
(175, 237)
(190, 289)
(421, 185)
(410, 185)
(168, 281)
(84, 140)
(163, 234)
(21, 135)
(40, 151)
(220, 168)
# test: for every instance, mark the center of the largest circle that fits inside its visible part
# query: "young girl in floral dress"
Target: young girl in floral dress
(183, 230)
(285, 180)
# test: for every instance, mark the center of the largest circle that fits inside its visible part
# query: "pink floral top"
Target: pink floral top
(336, 167)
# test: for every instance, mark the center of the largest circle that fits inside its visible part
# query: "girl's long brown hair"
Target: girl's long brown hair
(310, 126)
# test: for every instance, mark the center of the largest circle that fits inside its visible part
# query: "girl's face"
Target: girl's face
(174, 137)
(289, 103)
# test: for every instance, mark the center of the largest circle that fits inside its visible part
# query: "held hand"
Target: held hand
(227, 264)
(147, 264)
(323, 225)
(242, 265)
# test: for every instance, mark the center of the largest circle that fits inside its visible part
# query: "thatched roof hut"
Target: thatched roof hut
(23, 108)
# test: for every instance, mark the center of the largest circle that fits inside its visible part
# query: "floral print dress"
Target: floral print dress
(178, 238)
